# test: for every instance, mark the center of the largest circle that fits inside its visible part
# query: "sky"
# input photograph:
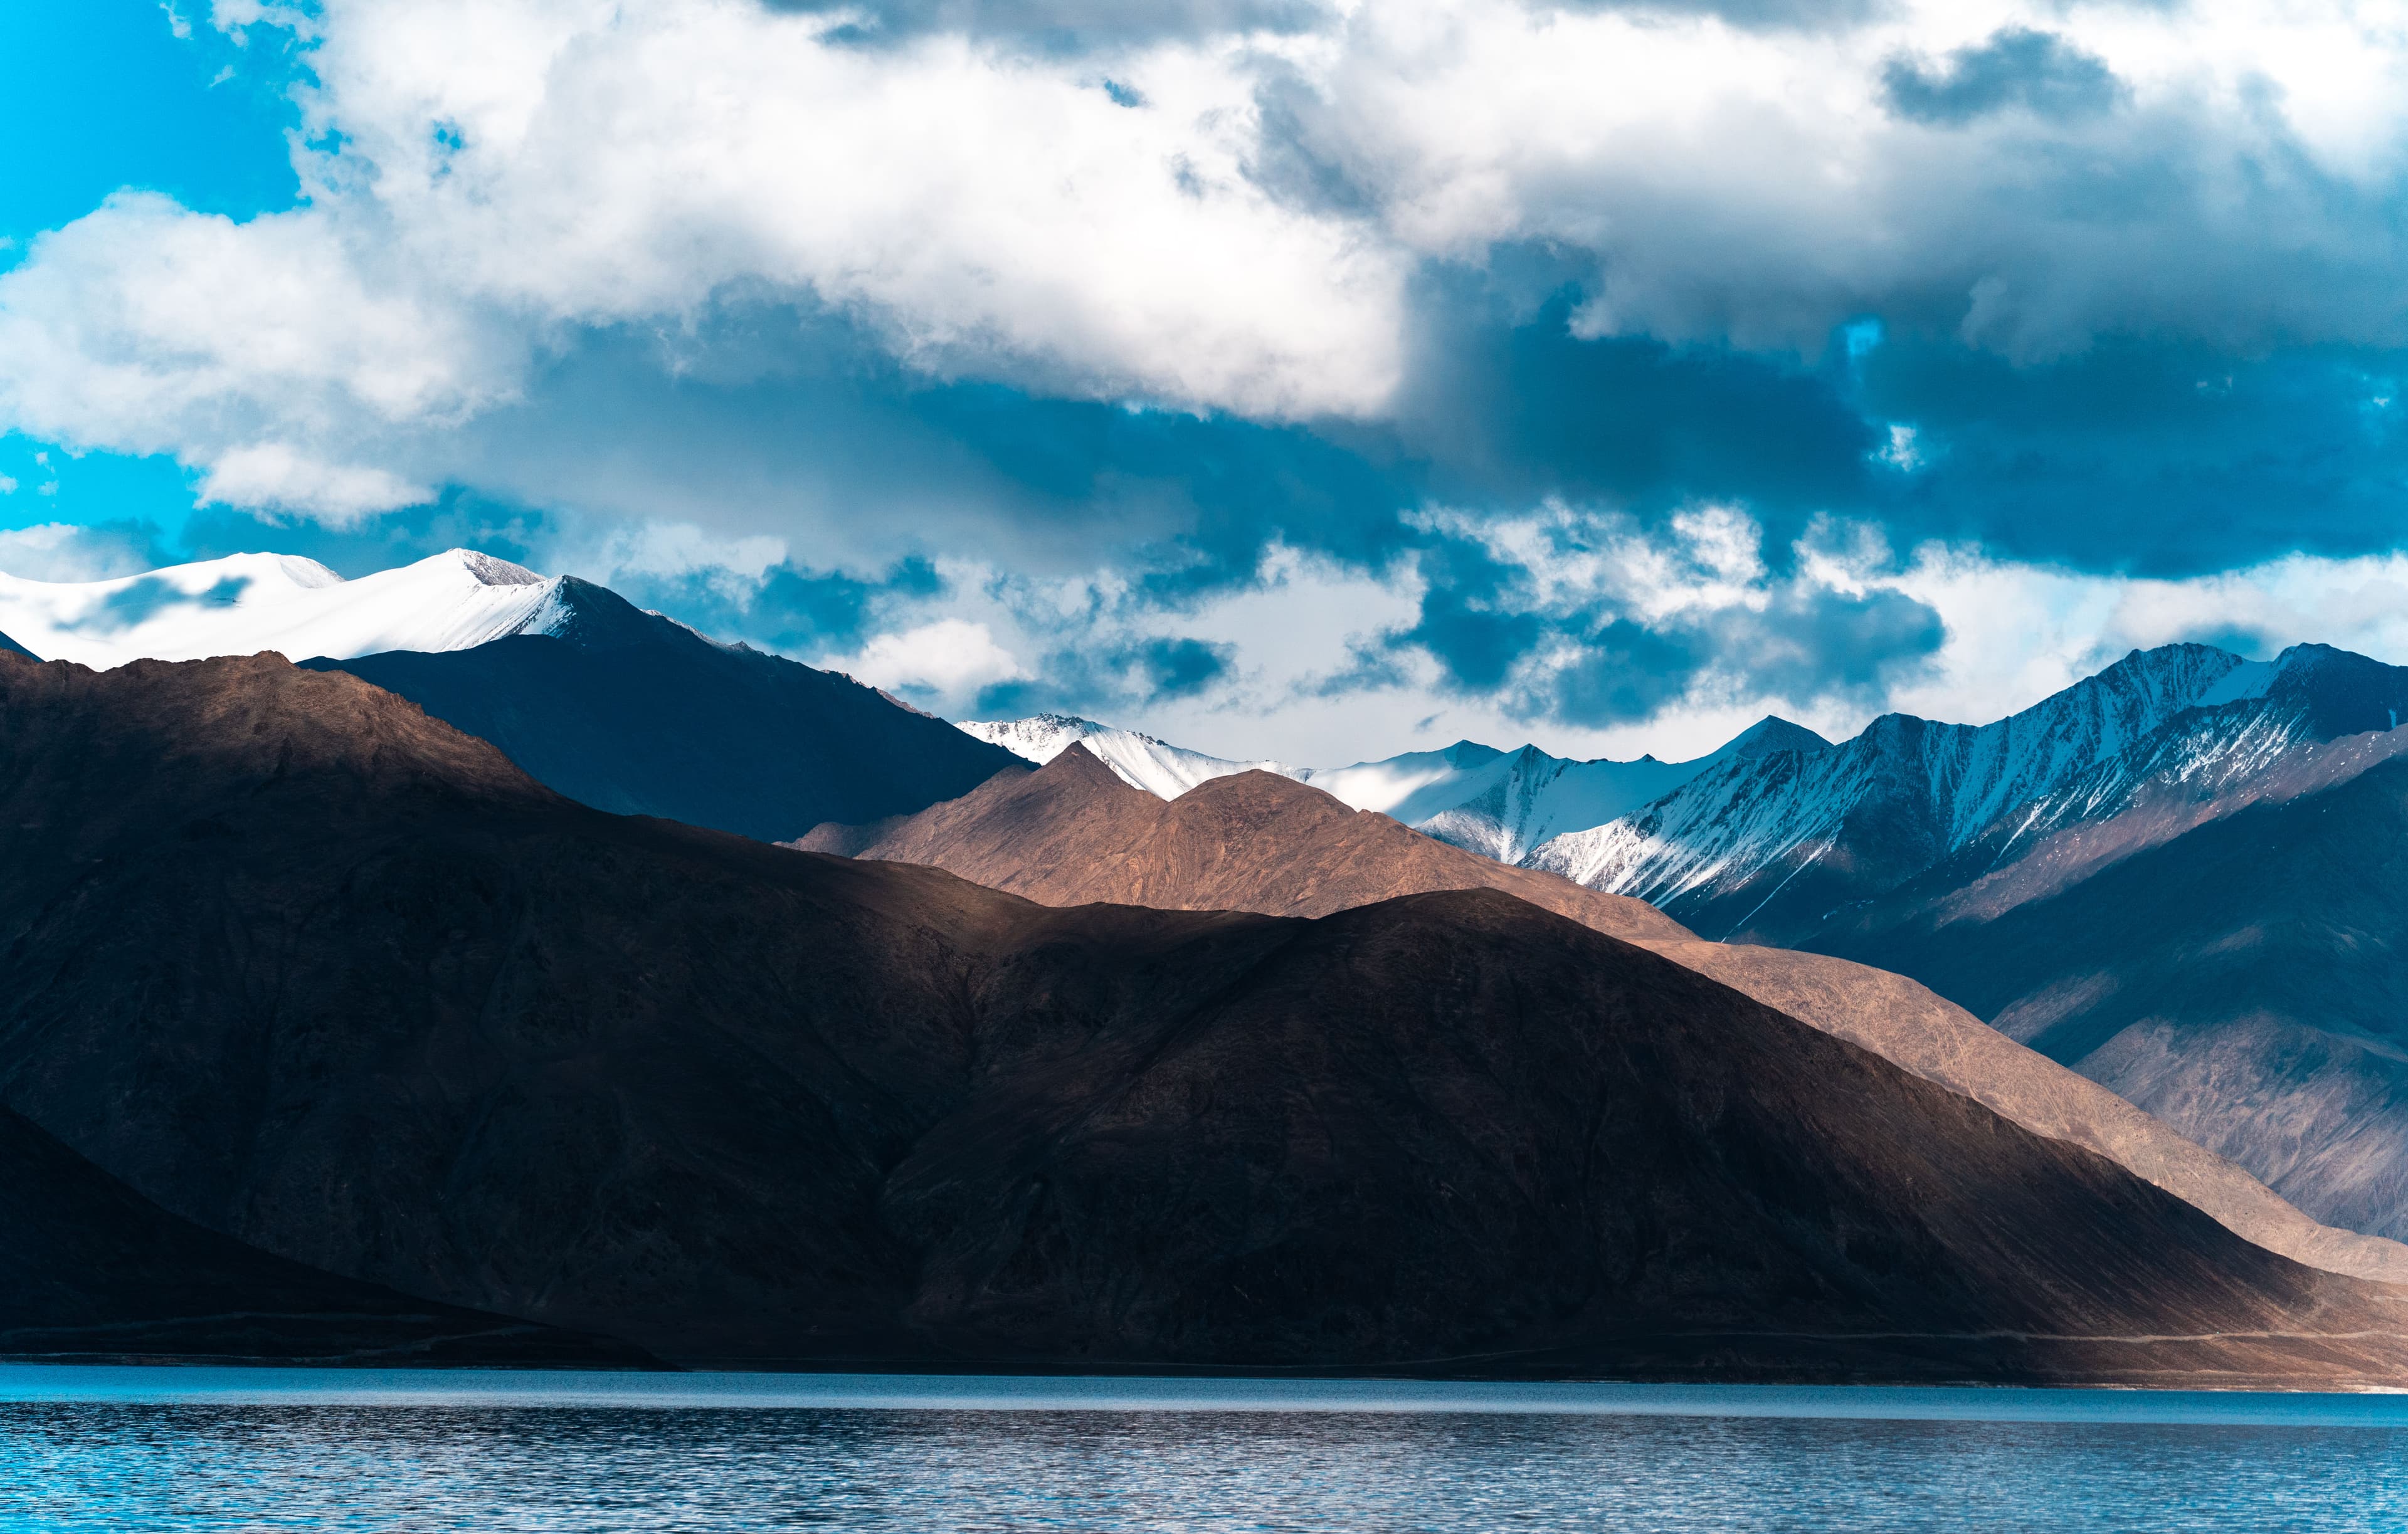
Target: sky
(1300, 378)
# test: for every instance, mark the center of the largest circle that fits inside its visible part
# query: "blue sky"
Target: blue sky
(1285, 377)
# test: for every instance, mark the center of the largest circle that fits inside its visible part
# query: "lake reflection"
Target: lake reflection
(402, 1457)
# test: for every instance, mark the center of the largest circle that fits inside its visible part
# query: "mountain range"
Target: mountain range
(1073, 834)
(307, 967)
(2179, 876)
(1501, 804)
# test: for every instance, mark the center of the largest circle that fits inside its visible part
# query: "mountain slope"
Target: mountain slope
(2244, 979)
(1073, 834)
(248, 602)
(91, 1269)
(2177, 905)
(432, 1023)
(632, 713)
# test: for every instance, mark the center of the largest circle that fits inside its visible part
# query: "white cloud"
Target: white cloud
(515, 171)
(61, 551)
(8, 486)
(271, 476)
(512, 168)
(950, 657)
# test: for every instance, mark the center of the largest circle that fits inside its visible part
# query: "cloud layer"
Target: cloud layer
(1604, 364)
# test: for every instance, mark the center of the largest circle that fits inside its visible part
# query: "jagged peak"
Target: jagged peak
(1773, 733)
(490, 570)
(1076, 764)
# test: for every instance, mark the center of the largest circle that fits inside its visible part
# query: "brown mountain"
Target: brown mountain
(92, 1270)
(1073, 834)
(311, 969)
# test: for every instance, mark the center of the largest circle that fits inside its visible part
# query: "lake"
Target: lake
(497, 1453)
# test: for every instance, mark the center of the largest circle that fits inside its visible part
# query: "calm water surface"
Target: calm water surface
(210, 1449)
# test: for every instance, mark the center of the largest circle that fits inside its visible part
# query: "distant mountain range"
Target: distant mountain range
(439, 1028)
(1501, 804)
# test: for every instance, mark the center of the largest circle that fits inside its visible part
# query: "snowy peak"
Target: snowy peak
(1040, 737)
(1499, 803)
(596, 618)
(489, 571)
(1824, 831)
(1142, 761)
(1768, 735)
(248, 602)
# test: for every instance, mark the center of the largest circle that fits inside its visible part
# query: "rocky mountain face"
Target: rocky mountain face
(2050, 872)
(93, 1271)
(1073, 834)
(632, 713)
(318, 972)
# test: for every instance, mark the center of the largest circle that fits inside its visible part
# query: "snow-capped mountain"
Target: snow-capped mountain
(1507, 807)
(1142, 761)
(248, 602)
(1778, 843)
(1499, 803)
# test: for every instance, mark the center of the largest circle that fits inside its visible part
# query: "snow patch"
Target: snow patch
(248, 602)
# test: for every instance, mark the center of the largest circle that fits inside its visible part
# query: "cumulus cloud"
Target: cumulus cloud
(1242, 239)
(1588, 620)
(948, 657)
